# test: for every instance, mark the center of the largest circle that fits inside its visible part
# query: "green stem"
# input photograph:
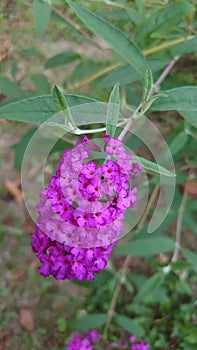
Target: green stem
(137, 114)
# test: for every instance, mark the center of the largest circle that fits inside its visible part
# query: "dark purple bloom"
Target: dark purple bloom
(64, 262)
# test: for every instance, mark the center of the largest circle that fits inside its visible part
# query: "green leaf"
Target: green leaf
(148, 287)
(140, 6)
(163, 19)
(61, 59)
(89, 322)
(146, 246)
(41, 83)
(42, 15)
(21, 146)
(156, 168)
(14, 69)
(190, 117)
(146, 106)
(37, 110)
(135, 15)
(184, 48)
(11, 89)
(191, 257)
(59, 99)
(31, 52)
(128, 75)
(178, 143)
(84, 69)
(117, 40)
(60, 146)
(189, 221)
(148, 84)
(115, 15)
(73, 32)
(113, 111)
(62, 106)
(129, 325)
(179, 99)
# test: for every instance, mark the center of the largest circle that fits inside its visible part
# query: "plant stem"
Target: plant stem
(166, 45)
(96, 75)
(126, 264)
(164, 75)
(147, 52)
(90, 131)
(129, 123)
(154, 88)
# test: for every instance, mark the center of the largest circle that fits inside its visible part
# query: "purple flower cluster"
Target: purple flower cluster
(85, 341)
(132, 345)
(65, 262)
(81, 212)
(88, 340)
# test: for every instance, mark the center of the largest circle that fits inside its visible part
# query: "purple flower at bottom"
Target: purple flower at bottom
(140, 346)
(85, 341)
(64, 262)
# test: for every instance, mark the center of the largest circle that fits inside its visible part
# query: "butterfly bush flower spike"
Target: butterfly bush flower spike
(81, 213)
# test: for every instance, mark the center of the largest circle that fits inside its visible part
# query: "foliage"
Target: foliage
(133, 44)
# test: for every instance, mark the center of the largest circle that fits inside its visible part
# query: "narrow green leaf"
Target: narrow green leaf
(149, 286)
(117, 40)
(116, 15)
(73, 32)
(146, 106)
(140, 6)
(113, 111)
(37, 110)
(21, 146)
(11, 89)
(190, 116)
(41, 83)
(190, 221)
(191, 257)
(156, 168)
(129, 325)
(89, 322)
(179, 99)
(42, 15)
(184, 48)
(128, 75)
(135, 15)
(84, 69)
(59, 99)
(61, 59)
(62, 106)
(14, 69)
(148, 84)
(146, 246)
(163, 19)
(31, 52)
(178, 143)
